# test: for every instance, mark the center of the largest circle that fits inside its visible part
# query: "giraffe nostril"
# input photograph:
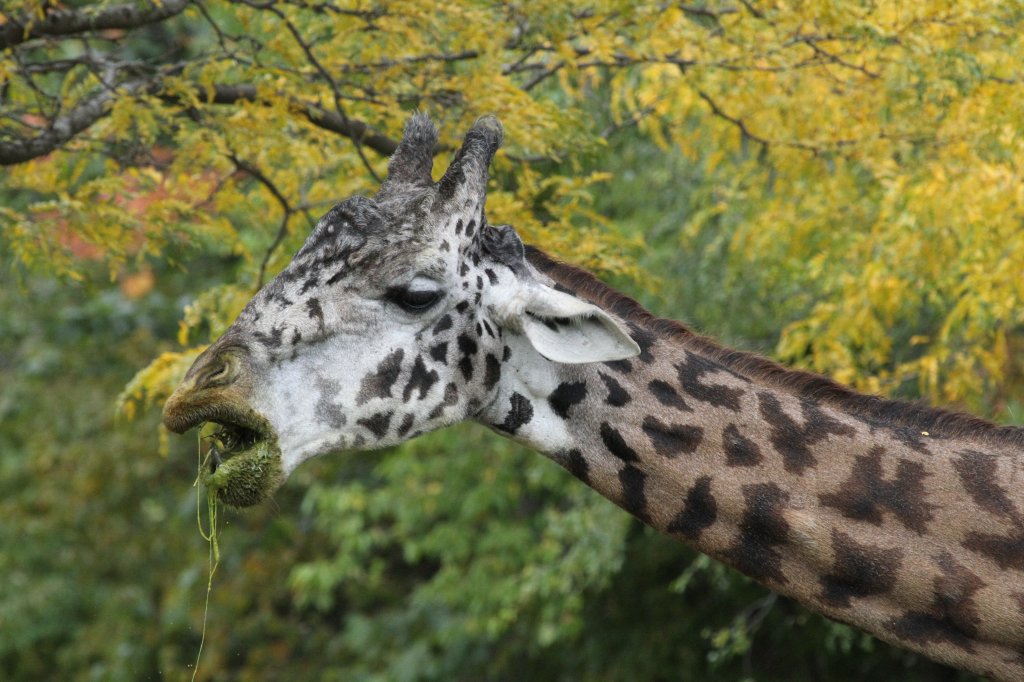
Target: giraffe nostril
(219, 374)
(221, 370)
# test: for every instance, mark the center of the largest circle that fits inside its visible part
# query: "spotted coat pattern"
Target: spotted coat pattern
(904, 521)
(917, 537)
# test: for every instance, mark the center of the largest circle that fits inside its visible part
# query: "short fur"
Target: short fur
(808, 385)
(407, 312)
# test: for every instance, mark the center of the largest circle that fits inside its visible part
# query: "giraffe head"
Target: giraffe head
(394, 318)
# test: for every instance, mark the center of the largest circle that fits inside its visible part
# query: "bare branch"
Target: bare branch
(834, 58)
(66, 126)
(738, 122)
(331, 8)
(315, 114)
(543, 75)
(830, 146)
(707, 12)
(63, 128)
(339, 108)
(286, 209)
(632, 121)
(62, 22)
(443, 57)
(753, 10)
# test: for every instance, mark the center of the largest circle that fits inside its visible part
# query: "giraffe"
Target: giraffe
(407, 312)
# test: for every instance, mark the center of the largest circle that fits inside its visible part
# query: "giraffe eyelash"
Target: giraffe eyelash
(414, 300)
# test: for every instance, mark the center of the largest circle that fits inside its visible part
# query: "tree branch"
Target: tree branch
(747, 134)
(443, 57)
(633, 120)
(62, 129)
(707, 12)
(753, 10)
(315, 114)
(339, 108)
(832, 57)
(286, 208)
(62, 22)
(543, 75)
(738, 122)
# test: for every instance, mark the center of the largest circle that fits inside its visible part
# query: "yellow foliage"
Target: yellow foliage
(155, 383)
(871, 151)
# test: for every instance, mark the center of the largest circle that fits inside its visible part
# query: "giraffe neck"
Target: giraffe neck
(913, 534)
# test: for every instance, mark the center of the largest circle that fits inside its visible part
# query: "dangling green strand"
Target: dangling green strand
(211, 536)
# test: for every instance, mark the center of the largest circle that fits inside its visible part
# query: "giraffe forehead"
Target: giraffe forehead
(364, 237)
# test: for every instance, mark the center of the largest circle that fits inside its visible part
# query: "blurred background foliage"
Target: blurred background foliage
(835, 184)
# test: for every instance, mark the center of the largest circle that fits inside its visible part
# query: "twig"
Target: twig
(314, 113)
(707, 11)
(286, 207)
(633, 120)
(834, 58)
(308, 51)
(753, 10)
(738, 122)
(543, 75)
(418, 59)
(63, 128)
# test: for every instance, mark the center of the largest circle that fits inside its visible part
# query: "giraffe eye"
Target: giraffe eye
(415, 300)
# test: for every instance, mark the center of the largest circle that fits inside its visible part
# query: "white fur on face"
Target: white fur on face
(369, 373)
(348, 349)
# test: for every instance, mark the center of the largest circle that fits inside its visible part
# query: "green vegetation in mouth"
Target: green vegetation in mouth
(243, 477)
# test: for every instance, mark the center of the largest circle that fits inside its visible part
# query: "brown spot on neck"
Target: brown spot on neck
(953, 616)
(858, 571)
(762, 529)
(865, 495)
(977, 472)
(794, 441)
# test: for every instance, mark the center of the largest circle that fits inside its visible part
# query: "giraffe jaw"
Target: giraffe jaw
(243, 464)
(246, 473)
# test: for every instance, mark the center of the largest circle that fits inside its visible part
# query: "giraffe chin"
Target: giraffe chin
(247, 477)
(244, 465)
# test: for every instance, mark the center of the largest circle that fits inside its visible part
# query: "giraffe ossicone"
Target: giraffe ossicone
(406, 312)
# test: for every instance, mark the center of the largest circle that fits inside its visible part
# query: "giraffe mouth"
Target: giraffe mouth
(227, 440)
(243, 462)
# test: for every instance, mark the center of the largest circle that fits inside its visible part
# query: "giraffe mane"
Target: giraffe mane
(807, 385)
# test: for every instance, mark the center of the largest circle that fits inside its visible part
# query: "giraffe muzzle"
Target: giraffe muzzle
(243, 458)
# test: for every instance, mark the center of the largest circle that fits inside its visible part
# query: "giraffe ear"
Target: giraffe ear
(566, 329)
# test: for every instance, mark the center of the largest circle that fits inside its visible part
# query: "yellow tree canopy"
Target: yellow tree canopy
(870, 151)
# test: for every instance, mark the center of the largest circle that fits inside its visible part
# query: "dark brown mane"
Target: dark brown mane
(876, 410)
